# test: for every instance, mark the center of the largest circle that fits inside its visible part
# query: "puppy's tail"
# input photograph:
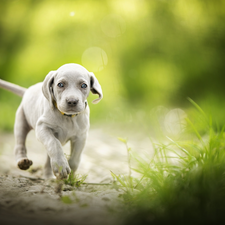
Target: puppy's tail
(13, 88)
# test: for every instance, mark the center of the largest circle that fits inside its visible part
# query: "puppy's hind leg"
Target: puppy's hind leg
(21, 129)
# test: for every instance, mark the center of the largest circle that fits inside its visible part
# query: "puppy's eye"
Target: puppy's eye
(83, 85)
(60, 85)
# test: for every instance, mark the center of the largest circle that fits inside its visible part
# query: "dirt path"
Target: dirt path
(25, 200)
(26, 197)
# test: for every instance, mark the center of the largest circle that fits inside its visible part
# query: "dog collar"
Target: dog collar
(69, 115)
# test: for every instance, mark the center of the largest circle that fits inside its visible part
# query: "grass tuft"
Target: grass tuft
(184, 182)
(75, 179)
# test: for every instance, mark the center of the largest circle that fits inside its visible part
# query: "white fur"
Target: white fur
(37, 111)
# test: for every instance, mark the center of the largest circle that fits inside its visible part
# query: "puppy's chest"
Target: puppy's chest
(69, 130)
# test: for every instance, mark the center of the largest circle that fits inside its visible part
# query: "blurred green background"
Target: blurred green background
(145, 53)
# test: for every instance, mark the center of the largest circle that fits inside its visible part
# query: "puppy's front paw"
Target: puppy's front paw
(60, 168)
(24, 164)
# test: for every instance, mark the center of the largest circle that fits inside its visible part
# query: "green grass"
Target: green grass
(184, 183)
(75, 179)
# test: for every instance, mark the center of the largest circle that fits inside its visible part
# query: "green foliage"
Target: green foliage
(184, 183)
(66, 199)
(151, 52)
(123, 140)
(75, 179)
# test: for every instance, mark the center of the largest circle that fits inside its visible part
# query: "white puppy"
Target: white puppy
(57, 110)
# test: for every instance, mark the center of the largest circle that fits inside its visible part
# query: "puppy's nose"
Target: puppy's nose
(72, 102)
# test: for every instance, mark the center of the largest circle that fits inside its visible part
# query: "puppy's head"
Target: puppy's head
(69, 87)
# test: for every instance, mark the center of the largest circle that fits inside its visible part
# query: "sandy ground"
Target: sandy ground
(26, 197)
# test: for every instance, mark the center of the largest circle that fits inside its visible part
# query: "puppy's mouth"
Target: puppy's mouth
(71, 111)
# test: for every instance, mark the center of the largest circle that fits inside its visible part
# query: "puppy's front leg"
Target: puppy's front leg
(54, 149)
(77, 146)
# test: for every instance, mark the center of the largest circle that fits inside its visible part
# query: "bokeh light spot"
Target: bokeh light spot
(175, 121)
(72, 13)
(94, 59)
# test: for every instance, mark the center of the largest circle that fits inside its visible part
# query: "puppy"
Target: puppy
(58, 111)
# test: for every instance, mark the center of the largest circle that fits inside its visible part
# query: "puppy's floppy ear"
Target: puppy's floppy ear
(47, 87)
(95, 88)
